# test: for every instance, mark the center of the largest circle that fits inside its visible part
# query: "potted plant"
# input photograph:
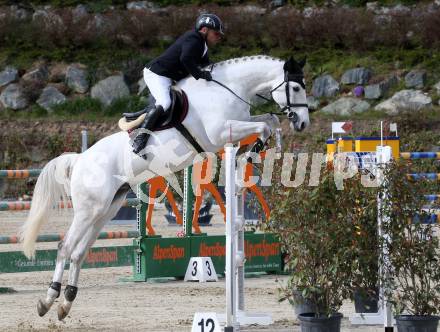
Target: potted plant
(365, 277)
(316, 227)
(411, 276)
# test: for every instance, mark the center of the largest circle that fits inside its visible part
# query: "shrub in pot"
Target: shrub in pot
(316, 227)
(365, 277)
(412, 266)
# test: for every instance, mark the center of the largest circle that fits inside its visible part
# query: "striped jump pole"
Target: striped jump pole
(59, 237)
(423, 176)
(19, 173)
(432, 218)
(420, 155)
(15, 206)
(26, 205)
(433, 198)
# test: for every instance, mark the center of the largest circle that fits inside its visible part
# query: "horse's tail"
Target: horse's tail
(53, 186)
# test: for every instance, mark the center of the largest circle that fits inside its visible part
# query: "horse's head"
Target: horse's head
(290, 94)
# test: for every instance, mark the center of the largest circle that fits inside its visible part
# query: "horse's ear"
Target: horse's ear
(288, 65)
(302, 62)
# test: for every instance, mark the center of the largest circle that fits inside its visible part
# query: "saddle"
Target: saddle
(173, 118)
(174, 115)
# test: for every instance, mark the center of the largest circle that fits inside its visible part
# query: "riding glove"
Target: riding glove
(206, 75)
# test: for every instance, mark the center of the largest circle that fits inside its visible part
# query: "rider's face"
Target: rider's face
(213, 37)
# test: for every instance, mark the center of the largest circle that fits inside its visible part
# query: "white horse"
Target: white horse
(96, 180)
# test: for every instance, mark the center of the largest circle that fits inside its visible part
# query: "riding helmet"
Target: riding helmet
(210, 21)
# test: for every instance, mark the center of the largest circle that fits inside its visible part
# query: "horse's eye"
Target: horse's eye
(296, 88)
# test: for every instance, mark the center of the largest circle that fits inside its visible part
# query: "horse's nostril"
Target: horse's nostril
(301, 126)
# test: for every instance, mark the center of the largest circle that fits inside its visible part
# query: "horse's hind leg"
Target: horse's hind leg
(54, 290)
(74, 234)
(80, 251)
(76, 258)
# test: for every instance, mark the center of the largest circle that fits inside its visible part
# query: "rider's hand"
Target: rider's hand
(206, 75)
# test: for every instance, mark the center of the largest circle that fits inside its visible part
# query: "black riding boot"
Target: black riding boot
(150, 120)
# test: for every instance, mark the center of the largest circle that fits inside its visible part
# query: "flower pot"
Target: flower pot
(301, 305)
(409, 323)
(310, 323)
(366, 302)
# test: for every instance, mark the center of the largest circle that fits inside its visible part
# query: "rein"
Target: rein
(224, 86)
(287, 78)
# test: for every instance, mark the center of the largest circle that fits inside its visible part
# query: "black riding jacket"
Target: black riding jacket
(182, 58)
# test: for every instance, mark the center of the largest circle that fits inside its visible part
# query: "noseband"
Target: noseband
(297, 78)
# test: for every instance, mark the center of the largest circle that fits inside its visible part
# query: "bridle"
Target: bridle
(286, 110)
(297, 78)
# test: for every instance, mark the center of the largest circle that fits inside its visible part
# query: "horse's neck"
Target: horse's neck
(249, 76)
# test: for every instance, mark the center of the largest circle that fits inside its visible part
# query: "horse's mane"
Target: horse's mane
(247, 58)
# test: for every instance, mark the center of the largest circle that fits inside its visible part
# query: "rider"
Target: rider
(185, 56)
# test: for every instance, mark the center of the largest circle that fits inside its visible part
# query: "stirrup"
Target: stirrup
(135, 115)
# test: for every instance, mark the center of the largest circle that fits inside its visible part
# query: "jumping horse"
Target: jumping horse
(98, 179)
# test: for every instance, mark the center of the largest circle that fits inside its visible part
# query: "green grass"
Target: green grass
(101, 55)
(80, 109)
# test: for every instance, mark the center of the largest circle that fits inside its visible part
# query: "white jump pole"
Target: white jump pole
(384, 156)
(384, 316)
(231, 243)
(235, 255)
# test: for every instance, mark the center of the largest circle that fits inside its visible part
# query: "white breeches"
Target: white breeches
(159, 87)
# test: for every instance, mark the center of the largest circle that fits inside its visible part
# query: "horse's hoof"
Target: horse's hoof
(42, 308)
(62, 312)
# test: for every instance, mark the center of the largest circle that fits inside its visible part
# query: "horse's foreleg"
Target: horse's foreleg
(54, 290)
(237, 130)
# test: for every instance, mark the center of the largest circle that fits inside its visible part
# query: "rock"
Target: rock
(400, 9)
(311, 11)
(103, 23)
(250, 9)
(40, 14)
(325, 86)
(140, 5)
(404, 100)
(313, 103)
(437, 86)
(13, 97)
(8, 75)
(76, 79)
(415, 79)
(277, 3)
(79, 12)
(57, 72)
(359, 75)
(346, 106)
(61, 87)
(19, 13)
(372, 6)
(50, 97)
(48, 17)
(41, 73)
(110, 89)
(376, 91)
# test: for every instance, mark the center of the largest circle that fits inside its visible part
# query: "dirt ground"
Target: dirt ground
(106, 303)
